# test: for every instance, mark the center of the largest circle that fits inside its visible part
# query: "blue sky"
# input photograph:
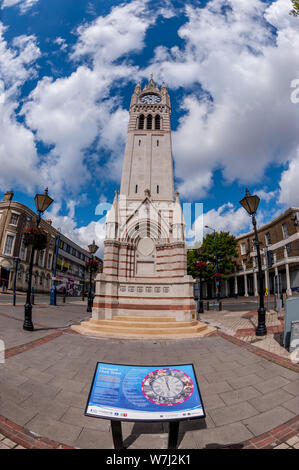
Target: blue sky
(68, 69)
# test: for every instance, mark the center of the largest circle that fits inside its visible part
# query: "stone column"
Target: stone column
(236, 285)
(245, 285)
(289, 290)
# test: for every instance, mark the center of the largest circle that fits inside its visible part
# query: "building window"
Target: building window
(285, 231)
(136, 188)
(41, 258)
(139, 143)
(268, 239)
(14, 219)
(157, 122)
(158, 189)
(23, 251)
(243, 248)
(141, 122)
(8, 244)
(50, 261)
(149, 122)
(288, 249)
(157, 143)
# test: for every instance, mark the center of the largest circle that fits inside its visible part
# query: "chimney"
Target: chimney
(48, 221)
(8, 196)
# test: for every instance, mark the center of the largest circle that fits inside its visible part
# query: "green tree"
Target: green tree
(226, 252)
(295, 10)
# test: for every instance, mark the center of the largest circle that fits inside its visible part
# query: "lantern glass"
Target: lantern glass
(43, 201)
(250, 203)
(92, 248)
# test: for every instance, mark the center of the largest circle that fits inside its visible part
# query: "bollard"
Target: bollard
(208, 306)
(220, 306)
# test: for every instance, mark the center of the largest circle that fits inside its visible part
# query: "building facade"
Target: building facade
(279, 245)
(15, 257)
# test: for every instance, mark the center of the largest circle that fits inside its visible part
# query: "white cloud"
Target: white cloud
(18, 157)
(83, 235)
(247, 71)
(289, 194)
(227, 219)
(74, 113)
(24, 5)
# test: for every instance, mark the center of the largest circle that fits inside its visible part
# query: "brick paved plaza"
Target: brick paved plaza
(250, 401)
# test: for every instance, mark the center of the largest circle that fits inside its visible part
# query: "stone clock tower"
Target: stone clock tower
(144, 287)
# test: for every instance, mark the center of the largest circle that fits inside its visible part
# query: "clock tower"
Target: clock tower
(148, 163)
(144, 279)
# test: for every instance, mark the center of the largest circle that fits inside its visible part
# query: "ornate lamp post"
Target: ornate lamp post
(216, 256)
(200, 265)
(250, 204)
(92, 267)
(36, 238)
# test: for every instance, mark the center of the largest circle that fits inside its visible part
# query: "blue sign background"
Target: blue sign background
(119, 386)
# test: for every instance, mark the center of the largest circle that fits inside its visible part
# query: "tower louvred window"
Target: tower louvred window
(141, 122)
(149, 121)
(157, 121)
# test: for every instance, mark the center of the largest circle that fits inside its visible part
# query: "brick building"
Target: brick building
(279, 244)
(14, 216)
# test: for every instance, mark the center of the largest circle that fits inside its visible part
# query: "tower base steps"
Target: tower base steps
(134, 327)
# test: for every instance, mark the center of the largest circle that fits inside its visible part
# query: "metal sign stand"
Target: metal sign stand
(117, 435)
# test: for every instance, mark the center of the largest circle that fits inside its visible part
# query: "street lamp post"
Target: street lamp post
(250, 204)
(92, 249)
(216, 256)
(200, 265)
(42, 202)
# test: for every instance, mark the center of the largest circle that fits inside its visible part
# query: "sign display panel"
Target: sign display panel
(144, 393)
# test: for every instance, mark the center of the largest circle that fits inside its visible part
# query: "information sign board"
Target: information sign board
(144, 393)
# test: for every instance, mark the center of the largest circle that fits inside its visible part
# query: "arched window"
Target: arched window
(141, 122)
(149, 121)
(157, 121)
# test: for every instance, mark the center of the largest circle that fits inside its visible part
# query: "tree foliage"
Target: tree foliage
(295, 9)
(226, 252)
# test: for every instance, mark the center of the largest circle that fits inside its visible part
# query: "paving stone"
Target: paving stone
(90, 439)
(14, 394)
(76, 416)
(231, 414)
(212, 400)
(237, 396)
(292, 405)
(71, 398)
(7, 442)
(63, 433)
(37, 389)
(293, 440)
(207, 389)
(292, 387)
(4, 447)
(271, 384)
(244, 381)
(16, 413)
(268, 420)
(228, 434)
(67, 384)
(37, 375)
(270, 400)
(282, 446)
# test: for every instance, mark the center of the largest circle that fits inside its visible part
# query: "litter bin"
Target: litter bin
(291, 315)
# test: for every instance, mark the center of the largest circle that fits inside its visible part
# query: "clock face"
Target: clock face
(167, 387)
(150, 99)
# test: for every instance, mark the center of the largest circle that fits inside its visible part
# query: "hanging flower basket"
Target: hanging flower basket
(217, 275)
(92, 265)
(200, 265)
(36, 237)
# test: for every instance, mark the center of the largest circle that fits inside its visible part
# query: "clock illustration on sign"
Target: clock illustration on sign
(167, 387)
(150, 99)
